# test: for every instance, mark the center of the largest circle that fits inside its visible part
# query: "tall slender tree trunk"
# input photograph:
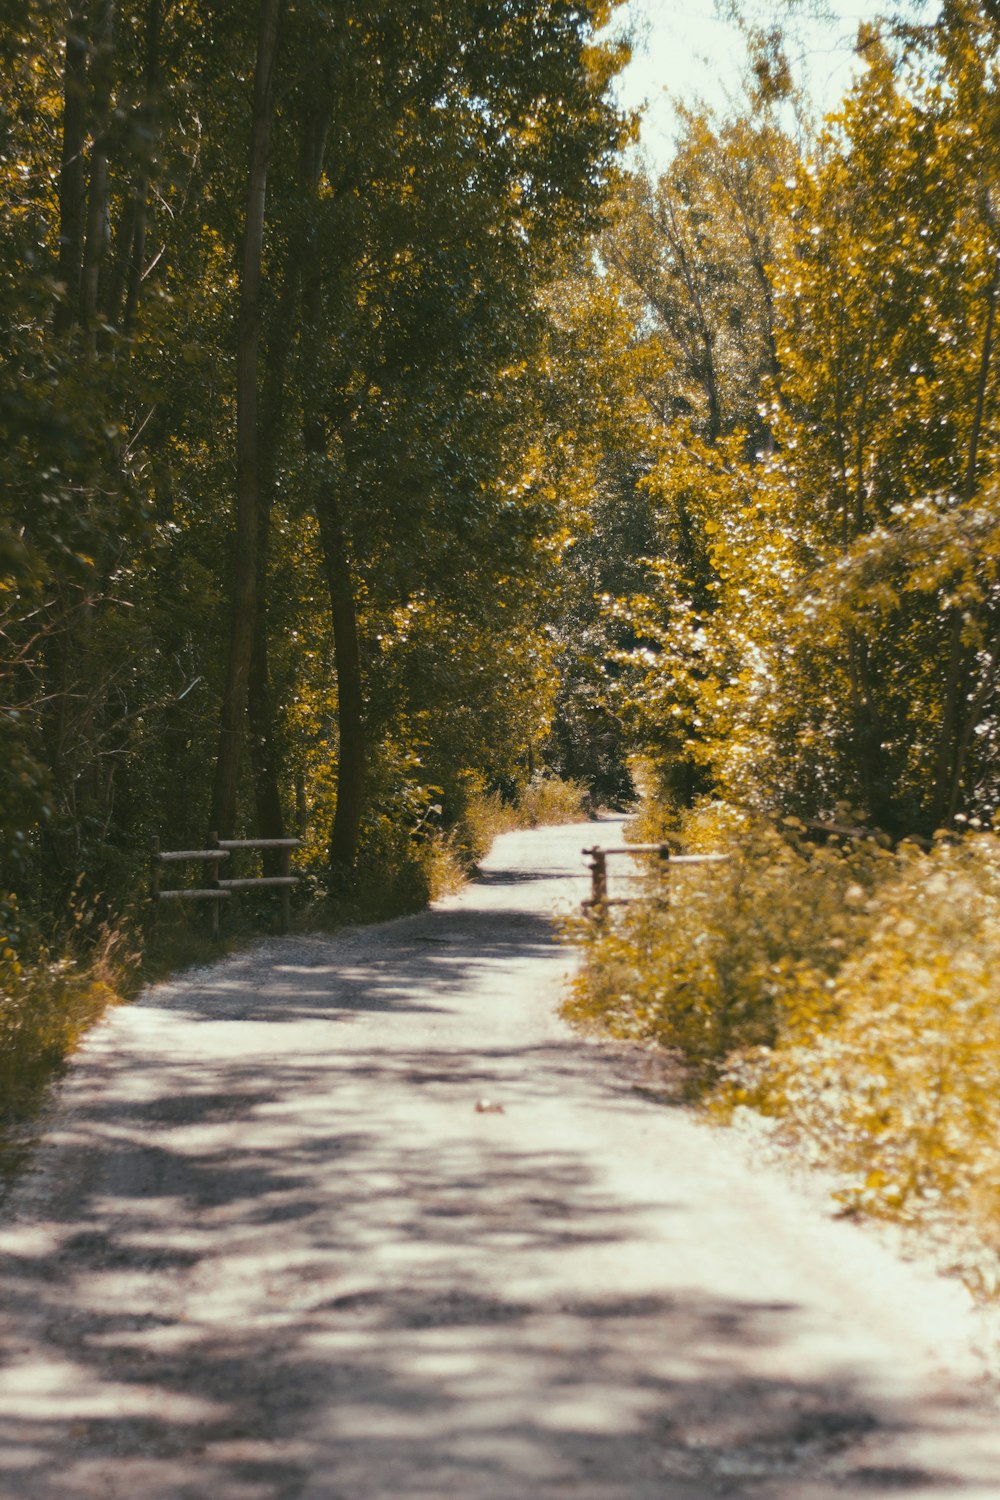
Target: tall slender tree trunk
(56, 656)
(95, 245)
(352, 754)
(244, 589)
(72, 180)
(956, 737)
(73, 695)
(707, 372)
(264, 757)
(867, 733)
(126, 275)
(260, 708)
(350, 694)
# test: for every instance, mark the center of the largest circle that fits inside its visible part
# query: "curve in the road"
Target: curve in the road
(358, 1218)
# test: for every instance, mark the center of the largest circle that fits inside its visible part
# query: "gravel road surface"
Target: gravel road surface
(270, 1249)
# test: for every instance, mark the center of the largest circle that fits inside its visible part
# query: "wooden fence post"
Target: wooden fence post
(598, 881)
(154, 877)
(665, 856)
(213, 843)
(600, 901)
(216, 889)
(286, 893)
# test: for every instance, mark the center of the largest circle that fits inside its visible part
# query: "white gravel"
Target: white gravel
(271, 1248)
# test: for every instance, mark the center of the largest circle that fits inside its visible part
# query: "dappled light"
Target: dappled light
(409, 489)
(270, 1247)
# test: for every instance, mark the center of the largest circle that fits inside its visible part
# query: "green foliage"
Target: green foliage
(431, 177)
(117, 414)
(818, 619)
(718, 958)
(896, 1079)
(845, 990)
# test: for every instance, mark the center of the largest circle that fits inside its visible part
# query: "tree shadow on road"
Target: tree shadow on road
(393, 967)
(262, 1276)
(233, 1321)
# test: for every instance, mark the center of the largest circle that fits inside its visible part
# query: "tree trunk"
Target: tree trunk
(95, 247)
(955, 738)
(336, 558)
(351, 764)
(260, 707)
(868, 735)
(59, 836)
(350, 697)
(123, 292)
(74, 691)
(244, 588)
(72, 191)
(704, 363)
(946, 747)
(260, 701)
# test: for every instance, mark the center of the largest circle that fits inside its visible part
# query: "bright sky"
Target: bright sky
(683, 48)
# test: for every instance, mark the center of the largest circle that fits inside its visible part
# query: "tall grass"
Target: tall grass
(486, 814)
(851, 993)
(47, 1001)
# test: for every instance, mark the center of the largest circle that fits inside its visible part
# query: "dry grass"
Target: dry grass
(46, 1004)
(851, 993)
(486, 815)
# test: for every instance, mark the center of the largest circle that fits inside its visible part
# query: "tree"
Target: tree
(821, 629)
(244, 591)
(693, 252)
(410, 445)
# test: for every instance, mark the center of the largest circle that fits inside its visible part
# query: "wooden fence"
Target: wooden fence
(600, 901)
(218, 890)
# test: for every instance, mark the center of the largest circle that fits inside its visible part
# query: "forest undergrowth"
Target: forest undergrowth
(54, 985)
(844, 989)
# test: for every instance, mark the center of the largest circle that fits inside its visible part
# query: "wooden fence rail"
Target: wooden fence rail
(222, 890)
(600, 901)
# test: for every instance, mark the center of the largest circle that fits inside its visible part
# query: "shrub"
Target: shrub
(46, 1003)
(713, 959)
(485, 814)
(550, 799)
(898, 1083)
(850, 992)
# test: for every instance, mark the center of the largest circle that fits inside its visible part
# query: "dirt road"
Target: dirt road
(271, 1250)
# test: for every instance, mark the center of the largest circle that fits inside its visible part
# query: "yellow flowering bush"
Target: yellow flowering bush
(719, 958)
(849, 991)
(899, 1083)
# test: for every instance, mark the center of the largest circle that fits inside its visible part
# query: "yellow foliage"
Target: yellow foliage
(849, 991)
(898, 1082)
(45, 1006)
(485, 815)
(719, 958)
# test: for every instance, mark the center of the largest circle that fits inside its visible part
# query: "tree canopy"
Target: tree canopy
(373, 429)
(270, 512)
